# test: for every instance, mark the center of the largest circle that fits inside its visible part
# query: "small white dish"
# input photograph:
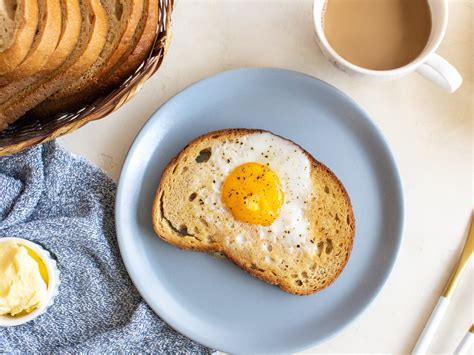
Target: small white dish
(53, 284)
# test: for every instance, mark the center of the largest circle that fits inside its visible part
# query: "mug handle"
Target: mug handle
(439, 71)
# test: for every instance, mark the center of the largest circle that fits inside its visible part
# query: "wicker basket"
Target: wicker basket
(25, 133)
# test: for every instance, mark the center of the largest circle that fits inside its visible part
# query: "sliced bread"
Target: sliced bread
(44, 42)
(123, 16)
(142, 43)
(91, 90)
(8, 13)
(18, 24)
(303, 250)
(94, 28)
(70, 33)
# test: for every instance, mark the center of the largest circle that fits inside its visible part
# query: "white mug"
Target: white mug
(428, 63)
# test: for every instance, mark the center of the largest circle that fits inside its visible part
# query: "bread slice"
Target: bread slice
(123, 16)
(94, 28)
(70, 33)
(8, 15)
(18, 25)
(92, 90)
(185, 215)
(138, 50)
(142, 43)
(44, 43)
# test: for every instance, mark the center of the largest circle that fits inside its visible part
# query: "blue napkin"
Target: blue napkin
(66, 205)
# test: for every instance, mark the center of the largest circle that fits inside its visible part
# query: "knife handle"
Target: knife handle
(430, 328)
(466, 343)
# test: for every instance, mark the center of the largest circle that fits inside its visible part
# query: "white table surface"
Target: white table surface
(429, 131)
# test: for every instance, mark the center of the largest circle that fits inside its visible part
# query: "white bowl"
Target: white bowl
(53, 284)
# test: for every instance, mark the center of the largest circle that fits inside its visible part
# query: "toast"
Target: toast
(70, 33)
(44, 42)
(19, 22)
(94, 27)
(183, 215)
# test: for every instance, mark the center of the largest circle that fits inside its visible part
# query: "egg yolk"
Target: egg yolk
(253, 194)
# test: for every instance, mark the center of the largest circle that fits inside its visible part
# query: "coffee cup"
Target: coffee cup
(428, 64)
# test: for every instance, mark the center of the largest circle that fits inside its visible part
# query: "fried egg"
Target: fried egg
(263, 180)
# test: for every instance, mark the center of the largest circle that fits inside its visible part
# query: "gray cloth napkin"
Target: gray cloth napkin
(63, 203)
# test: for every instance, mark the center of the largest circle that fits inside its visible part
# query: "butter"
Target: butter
(23, 279)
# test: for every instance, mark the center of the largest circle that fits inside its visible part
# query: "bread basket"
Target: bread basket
(27, 132)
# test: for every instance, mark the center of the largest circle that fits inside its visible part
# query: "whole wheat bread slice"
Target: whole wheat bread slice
(113, 75)
(9, 13)
(70, 33)
(94, 28)
(18, 24)
(139, 50)
(92, 89)
(44, 43)
(183, 216)
(123, 16)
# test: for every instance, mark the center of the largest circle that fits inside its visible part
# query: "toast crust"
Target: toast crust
(169, 234)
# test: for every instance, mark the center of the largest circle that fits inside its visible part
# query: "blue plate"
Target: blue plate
(209, 299)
